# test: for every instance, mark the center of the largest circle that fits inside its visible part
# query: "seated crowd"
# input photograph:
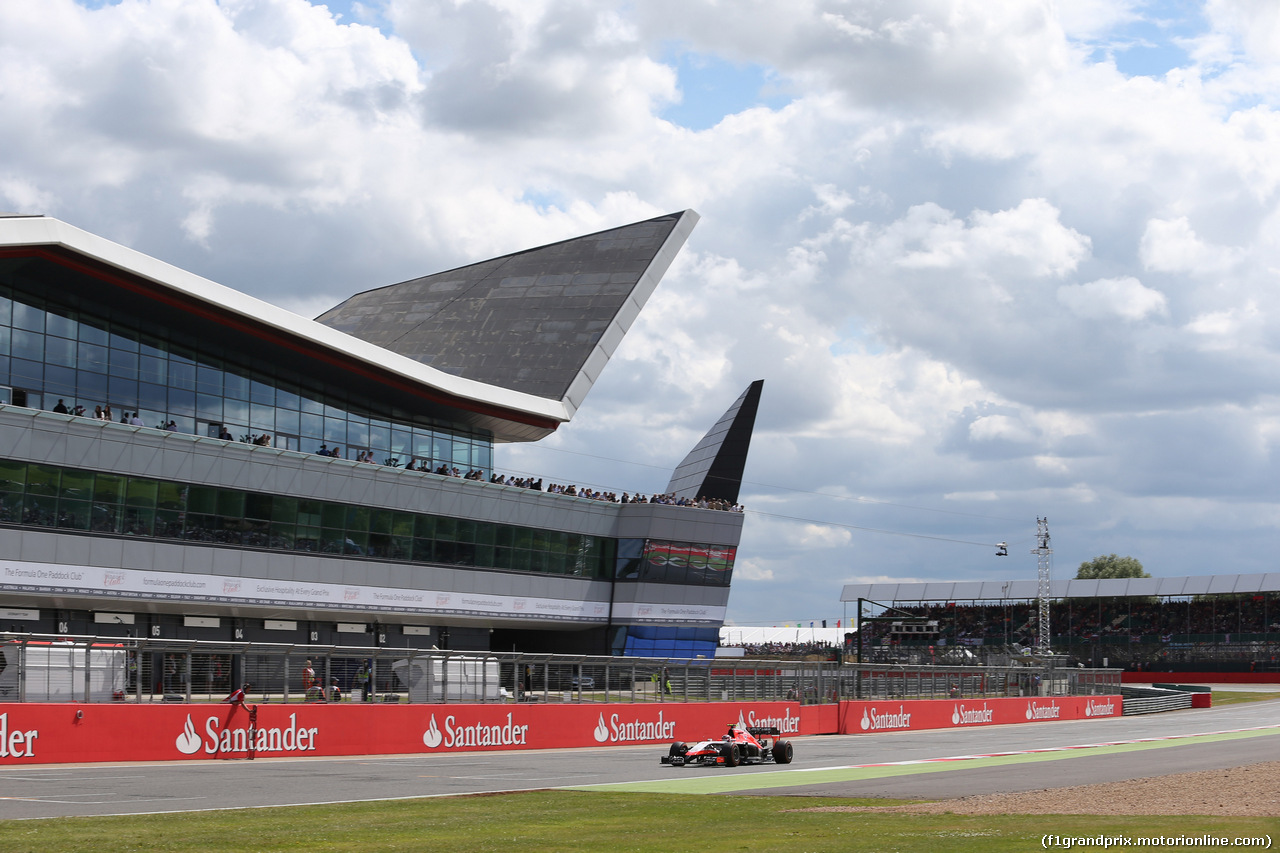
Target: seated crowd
(1107, 621)
(424, 465)
(787, 650)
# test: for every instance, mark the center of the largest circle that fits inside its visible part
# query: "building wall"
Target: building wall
(584, 603)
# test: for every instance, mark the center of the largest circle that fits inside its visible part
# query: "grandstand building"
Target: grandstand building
(263, 477)
(1203, 623)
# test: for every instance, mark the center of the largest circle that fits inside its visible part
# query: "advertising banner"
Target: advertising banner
(54, 733)
(40, 733)
(890, 715)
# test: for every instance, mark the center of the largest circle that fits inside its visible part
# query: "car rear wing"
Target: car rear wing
(761, 731)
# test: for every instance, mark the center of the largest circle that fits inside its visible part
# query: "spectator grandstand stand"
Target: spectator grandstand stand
(1215, 623)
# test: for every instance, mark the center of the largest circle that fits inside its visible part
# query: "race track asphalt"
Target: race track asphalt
(927, 765)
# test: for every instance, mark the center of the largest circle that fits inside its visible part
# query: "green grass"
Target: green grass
(579, 821)
(1233, 697)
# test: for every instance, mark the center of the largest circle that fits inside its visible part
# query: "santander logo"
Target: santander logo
(962, 716)
(431, 738)
(188, 742)
(460, 735)
(293, 738)
(1099, 709)
(871, 721)
(618, 730)
(1043, 712)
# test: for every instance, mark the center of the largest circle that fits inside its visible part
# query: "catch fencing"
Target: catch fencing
(139, 670)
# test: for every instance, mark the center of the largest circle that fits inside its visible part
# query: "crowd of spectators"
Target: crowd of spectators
(1102, 620)
(789, 651)
(446, 470)
(425, 465)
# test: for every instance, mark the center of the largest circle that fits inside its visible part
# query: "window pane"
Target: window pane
(138, 521)
(62, 326)
(43, 480)
(209, 407)
(13, 475)
(28, 317)
(61, 351)
(358, 518)
(257, 506)
(209, 379)
(40, 510)
(94, 332)
(284, 509)
(153, 369)
(91, 357)
(181, 374)
(202, 499)
(153, 397)
(141, 493)
(108, 489)
(124, 363)
(124, 339)
(77, 485)
(28, 345)
(231, 503)
(262, 393)
(170, 495)
(105, 518)
(262, 417)
(235, 385)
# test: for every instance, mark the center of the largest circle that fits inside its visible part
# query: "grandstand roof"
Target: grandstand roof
(1027, 589)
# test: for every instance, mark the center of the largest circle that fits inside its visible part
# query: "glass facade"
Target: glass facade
(51, 350)
(47, 496)
(71, 499)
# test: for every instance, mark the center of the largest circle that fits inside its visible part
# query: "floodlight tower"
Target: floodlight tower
(1042, 553)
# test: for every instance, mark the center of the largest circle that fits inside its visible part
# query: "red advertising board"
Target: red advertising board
(889, 715)
(37, 733)
(34, 733)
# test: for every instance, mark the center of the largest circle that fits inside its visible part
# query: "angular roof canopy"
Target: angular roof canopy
(542, 322)
(713, 469)
(567, 306)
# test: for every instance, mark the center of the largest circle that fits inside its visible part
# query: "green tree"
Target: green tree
(1111, 566)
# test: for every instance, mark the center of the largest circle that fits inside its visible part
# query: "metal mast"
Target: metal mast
(1042, 553)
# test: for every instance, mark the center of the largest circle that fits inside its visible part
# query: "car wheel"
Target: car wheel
(782, 752)
(678, 749)
(731, 756)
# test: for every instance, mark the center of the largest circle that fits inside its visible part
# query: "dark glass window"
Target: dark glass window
(29, 345)
(91, 357)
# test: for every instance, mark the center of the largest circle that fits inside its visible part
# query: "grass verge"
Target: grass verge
(1234, 697)
(581, 821)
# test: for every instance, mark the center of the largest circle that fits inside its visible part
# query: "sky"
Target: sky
(994, 261)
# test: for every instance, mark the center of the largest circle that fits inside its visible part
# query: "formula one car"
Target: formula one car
(742, 745)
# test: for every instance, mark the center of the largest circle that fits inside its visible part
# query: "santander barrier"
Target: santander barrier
(38, 733)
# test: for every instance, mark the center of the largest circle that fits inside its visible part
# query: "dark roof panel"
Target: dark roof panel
(529, 321)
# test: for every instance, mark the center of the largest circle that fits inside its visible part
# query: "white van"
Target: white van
(56, 672)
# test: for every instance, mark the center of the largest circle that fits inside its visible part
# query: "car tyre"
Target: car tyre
(731, 756)
(782, 752)
(678, 748)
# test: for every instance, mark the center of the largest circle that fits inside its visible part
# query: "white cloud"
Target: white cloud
(1172, 246)
(1125, 298)
(978, 267)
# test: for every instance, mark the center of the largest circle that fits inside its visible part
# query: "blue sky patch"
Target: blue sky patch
(1155, 44)
(713, 88)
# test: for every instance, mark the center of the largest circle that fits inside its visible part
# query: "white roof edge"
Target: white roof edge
(1065, 587)
(645, 285)
(47, 231)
